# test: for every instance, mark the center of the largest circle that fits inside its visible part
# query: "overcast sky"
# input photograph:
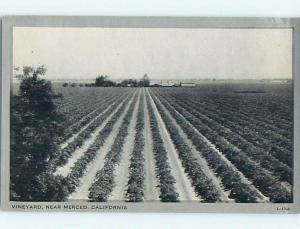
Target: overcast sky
(70, 53)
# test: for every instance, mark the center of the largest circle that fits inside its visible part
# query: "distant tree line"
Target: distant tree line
(104, 81)
(73, 84)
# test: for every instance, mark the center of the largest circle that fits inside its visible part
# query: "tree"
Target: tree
(35, 124)
(128, 83)
(145, 82)
(103, 81)
(99, 82)
(89, 85)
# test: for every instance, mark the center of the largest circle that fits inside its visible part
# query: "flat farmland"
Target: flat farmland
(211, 143)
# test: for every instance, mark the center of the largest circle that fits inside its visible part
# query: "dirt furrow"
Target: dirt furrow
(122, 170)
(151, 192)
(82, 191)
(183, 185)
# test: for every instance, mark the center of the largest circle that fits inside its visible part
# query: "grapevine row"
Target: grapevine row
(279, 142)
(135, 184)
(83, 136)
(282, 117)
(215, 102)
(203, 185)
(279, 148)
(229, 176)
(280, 139)
(163, 170)
(69, 132)
(77, 171)
(214, 129)
(266, 183)
(104, 180)
(81, 104)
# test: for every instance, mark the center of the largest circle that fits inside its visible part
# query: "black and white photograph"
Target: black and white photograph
(133, 115)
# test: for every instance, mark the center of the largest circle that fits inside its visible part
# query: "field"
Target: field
(213, 143)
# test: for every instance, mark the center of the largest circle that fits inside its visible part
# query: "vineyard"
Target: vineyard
(206, 144)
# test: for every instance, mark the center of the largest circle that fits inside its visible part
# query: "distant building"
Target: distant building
(187, 84)
(165, 83)
(153, 84)
(279, 81)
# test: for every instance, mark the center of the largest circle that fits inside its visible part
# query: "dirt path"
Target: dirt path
(151, 191)
(201, 161)
(242, 176)
(65, 169)
(82, 191)
(121, 171)
(183, 185)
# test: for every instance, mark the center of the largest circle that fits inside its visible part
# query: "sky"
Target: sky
(161, 53)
